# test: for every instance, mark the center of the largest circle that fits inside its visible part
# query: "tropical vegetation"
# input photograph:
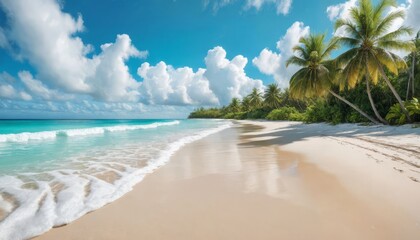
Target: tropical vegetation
(364, 83)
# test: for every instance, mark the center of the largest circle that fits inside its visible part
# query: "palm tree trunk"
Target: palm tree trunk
(354, 107)
(395, 93)
(408, 87)
(378, 116)
(411, 78)
(413, 66)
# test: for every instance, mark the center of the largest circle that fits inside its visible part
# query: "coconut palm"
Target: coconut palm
(235, 105)
(255, 98)
(367, 34)
(317, 72)
(272, 96)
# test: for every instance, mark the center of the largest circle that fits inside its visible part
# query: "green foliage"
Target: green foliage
(397, 116)
(321, 111)
(272, 96)
(206, 113)
(316, 73)
(285, 113)
(234, 106)
(237, 115)
(259, 113)
(255, 99)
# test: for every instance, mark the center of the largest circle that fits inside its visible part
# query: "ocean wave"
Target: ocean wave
(44, 135)
(61, 196)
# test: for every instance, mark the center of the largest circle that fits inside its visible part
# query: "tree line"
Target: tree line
(362, 84)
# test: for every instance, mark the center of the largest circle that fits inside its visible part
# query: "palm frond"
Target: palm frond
(387, 22)
(397, 45)
(386, 59)
(401, 31)
(294, 60)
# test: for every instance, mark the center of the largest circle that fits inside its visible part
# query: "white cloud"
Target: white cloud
(70, 76)
(47, 38)
(3, 39)
(112, 80)
(163, 84)
(341, 10)
(282, 6)
(227, 78)
(274, 64)
(9, 91)
(222, 80)
(37, 88)
(413, 14)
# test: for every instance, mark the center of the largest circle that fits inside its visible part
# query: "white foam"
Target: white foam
(40, 209)
(27, 136)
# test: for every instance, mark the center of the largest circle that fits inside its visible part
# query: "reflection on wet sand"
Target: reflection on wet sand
(241, 184)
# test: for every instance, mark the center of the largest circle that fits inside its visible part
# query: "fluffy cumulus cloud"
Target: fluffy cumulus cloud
(227, 78)
(69, 75)
(218, 83)
(164, 84)
(47, 37)
(112, 80)
(274, 63)
(282, 6)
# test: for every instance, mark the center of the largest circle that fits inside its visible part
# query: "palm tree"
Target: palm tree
(367, 35)
(317, 72)
(411, 78)
(255, 98)
(235, 105)
(246, 103)
(272, 96)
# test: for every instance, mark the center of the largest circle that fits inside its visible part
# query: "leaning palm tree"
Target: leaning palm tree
(367, 35)
(272, 96)
(317, 73)
(255, 98)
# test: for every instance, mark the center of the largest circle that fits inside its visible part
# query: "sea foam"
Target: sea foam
(27, 136)
(37, 202)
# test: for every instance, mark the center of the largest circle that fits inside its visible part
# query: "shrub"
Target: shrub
(206, 113)
(321, 111)
(238, 115)
(259, 113)
(397, 116)
(285, 113)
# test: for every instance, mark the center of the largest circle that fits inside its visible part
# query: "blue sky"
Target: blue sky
(150, 59)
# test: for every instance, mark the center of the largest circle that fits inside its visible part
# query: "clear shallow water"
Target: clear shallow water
(54, 171)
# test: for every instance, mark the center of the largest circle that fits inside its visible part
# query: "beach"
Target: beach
(272, 180)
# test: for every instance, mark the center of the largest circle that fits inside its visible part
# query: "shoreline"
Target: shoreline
(255, 169)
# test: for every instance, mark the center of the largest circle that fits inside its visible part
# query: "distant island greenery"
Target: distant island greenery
(362, 84)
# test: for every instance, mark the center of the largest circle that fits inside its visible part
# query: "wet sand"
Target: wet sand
(264, 180)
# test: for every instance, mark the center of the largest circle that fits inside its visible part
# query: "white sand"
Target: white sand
(273, 180)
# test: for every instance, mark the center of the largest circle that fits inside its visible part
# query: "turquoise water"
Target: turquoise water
(54, 171)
